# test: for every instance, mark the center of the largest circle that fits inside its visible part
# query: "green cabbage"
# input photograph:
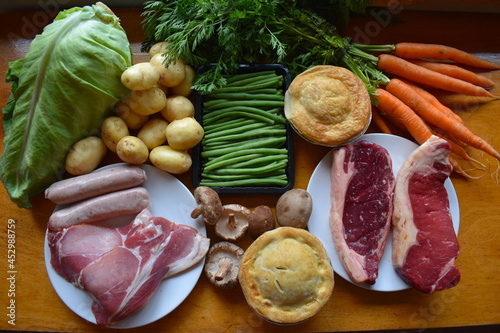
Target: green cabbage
(61, 90)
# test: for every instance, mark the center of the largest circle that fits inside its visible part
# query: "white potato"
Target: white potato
(85, 155)
(147, 102)
(177, 107)
(153, 133)
(184, 133)
(133, 120)
(170, 74)
(132, 150)
(159, 47)
(140, 76)
(184, 87)
(113, 129)
(170, 160)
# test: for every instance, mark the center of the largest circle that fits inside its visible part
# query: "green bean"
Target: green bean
(240, 152)
(259, 132)
(267, 91)
(249, 81)
(250, 103)
(260, 160)
(217, 164)
(255, 111)
(233, 130)
(274, 174)
(237, 145)
(244, 160)
(242, 129)
(224, 177)
(275, 110)
(229, 125)
(273, 82)
(251, 171)
(242, 76)
(245, 182)
(255, 143)
(233, 114)
(245, 132)
(214, 102)
(243, 95)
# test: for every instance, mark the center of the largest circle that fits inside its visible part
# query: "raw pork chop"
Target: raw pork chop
(360, 218)
(121, 268)
(425, 245)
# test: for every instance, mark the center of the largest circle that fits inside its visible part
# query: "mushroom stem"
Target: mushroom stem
(232, 221)
(197, 211)
(225, 266)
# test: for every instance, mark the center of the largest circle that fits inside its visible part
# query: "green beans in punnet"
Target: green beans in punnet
(245, 142)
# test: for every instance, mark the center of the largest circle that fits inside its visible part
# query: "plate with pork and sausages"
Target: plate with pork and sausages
(125, 251)
(361, 195)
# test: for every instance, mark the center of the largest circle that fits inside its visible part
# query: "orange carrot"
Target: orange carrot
(441, 52)
(394, 108)
(434, 101)
(430, 114)
(401, 113)
(405, 69)
(440, 132)
(461, 102)
(455, 71)
(380, 121)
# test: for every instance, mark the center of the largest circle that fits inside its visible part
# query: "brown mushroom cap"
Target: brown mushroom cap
(261, 219)
(223, 263)
(233, 223)
(209, 205)
(294, 208)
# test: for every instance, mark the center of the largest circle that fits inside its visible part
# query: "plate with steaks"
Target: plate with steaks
(390, 153)
(166, 270)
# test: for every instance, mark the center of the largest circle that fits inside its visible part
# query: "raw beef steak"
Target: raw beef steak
(362, 184)
(424, 244)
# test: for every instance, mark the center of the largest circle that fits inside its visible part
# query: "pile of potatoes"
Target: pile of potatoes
(154, 121)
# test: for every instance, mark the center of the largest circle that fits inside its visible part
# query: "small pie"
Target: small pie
(328, 105)
(286, 275)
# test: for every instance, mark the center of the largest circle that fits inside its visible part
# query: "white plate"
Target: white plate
(169, 199)
(319, 187)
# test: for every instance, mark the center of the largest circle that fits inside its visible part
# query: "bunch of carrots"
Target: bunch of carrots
(406, 100)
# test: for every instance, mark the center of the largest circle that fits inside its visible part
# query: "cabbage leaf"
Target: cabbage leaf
(61, 90)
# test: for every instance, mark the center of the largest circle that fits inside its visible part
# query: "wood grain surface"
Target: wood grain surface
(475, 301)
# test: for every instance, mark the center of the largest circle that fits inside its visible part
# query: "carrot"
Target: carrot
(434, 101)
(405, 69)
(430, 114)
(462, 102)
(455, 71)
(380, 122)
(441, 52)
(394, 108)
(461, 171)
(439, 132)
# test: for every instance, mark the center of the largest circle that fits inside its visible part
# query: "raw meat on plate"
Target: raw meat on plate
(362, 183)
(425, 244)
(122, 267)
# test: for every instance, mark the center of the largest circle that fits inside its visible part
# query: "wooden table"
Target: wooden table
(475, 301)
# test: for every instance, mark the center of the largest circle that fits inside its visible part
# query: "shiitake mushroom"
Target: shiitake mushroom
(294, 208)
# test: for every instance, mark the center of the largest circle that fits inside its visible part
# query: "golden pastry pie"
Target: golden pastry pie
(286, 275)
(328, 105)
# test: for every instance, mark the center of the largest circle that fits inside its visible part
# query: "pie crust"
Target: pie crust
(286, 275)
(328, 105)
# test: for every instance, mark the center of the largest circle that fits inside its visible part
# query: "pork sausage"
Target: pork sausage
(119, 203)
(94, 184)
